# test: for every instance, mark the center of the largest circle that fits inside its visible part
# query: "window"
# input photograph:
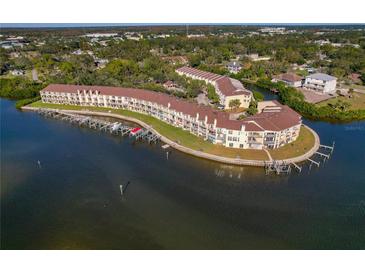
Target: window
(230, 144)
(241, 145)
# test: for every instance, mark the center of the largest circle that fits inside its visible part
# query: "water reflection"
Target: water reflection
(74, 200)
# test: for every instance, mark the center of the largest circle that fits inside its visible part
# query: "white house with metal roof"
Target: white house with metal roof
(321, 82)
(234, 67)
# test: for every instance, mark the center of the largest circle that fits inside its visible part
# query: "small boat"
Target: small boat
(121, 189)
(135, 131)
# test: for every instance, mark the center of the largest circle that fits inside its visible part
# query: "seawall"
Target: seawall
(196, 153)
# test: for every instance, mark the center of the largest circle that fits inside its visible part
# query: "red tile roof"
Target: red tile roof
(263, 121)
(289, 77)
(223, 83)
(276, 118)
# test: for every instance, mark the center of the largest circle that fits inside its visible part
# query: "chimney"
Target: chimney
(197, 116)
(168, 105)
(215, 122)
(206, 119)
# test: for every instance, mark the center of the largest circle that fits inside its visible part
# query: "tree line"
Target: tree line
(295, 99)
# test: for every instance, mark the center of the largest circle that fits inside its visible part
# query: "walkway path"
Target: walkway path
(268, 154)
(200, 154)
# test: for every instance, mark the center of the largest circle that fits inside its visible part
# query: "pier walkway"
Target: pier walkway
(102, 125)
(196, 153)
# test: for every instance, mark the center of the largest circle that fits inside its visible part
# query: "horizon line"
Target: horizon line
(90, 25)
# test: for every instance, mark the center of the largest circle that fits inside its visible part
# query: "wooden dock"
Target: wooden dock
(114, 128)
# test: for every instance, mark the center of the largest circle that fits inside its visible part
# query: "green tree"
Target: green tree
(194, 60)
(258, 96)
(252, 108)
(66, 67)
(212, 95)
(363, 78)
(234, 104)
(121, 68)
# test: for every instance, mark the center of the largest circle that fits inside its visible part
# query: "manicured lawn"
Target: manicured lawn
(189, 140)
(357, 101)
(302, 144)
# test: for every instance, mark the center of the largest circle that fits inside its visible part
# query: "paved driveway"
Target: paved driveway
(315, 97)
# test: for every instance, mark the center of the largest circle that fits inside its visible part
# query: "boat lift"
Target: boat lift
(115, 128)
(331, 148)
(322, 154)
(279, 167)
(312, 162)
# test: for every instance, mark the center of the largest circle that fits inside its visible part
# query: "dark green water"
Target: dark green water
(268, 95)
(73, 201)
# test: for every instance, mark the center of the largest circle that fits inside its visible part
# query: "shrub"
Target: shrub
(23, 102)
(258, 96)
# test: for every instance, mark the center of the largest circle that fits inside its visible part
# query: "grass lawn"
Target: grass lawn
(302, 144)
(354, 86)
(181, 136)
(356, 102)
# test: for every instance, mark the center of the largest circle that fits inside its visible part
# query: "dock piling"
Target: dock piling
(297, 167)
(313, 162)
(115, 128)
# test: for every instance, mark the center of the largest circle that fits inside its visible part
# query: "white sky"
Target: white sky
(183, 11)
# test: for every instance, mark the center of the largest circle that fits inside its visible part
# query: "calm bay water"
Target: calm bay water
(73, 200)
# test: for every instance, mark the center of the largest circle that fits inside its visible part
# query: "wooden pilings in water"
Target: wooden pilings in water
(331, 148)
(113, 128)
(325, 156)
(279, 167)
(322, 154)
(123, 189)
(312, 162)
(297, 167)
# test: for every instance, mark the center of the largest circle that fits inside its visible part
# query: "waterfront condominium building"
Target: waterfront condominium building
(274, 127)
(227, 88)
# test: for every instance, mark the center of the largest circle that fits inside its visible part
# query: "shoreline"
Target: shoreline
(196, 153)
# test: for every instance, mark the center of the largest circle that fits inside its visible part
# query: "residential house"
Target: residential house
(321, 82)
(234, 67)
(289, 79)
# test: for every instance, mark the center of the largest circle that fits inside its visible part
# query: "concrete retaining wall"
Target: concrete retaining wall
(196, 153)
